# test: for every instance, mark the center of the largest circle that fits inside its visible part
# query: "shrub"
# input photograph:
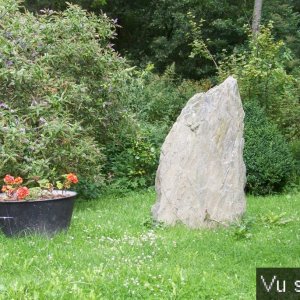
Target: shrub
(133, 162)
(59, 93)
(294, 184)
(155, 98)
(268, 159)
(261, 70)
(48, 149)
(153, 102)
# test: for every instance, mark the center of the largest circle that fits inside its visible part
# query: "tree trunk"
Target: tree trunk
(256, 16)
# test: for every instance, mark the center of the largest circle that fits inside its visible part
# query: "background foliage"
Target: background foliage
(262, 71)
(70, 102)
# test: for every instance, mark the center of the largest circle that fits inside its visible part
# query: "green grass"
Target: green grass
(111, 252)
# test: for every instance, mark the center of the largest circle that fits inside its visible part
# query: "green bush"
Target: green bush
(155, 98)
(59, 92)
(296, 154)
(261, 71)
(154, 102)
(51, 148)
(133, 162)
(294, 184)
(267, 155)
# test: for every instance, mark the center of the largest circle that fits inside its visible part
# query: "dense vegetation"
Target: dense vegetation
(267, 156)
(59, 91)
(70, 102)
(80, 93)
(160, 31)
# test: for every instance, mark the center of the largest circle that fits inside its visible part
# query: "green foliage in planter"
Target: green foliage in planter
(60, 84)
(267, 155)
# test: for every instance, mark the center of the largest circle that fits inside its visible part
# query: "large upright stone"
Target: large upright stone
(201, 175)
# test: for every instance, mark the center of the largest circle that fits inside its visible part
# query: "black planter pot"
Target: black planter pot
(46, 217)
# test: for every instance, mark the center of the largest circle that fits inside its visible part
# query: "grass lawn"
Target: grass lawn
(112, 252)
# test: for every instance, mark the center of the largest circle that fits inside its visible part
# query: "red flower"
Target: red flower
(22, 192)
(72, 178)
(9, 179)
(18, 180)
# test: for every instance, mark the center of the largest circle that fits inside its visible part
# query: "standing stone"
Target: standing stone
(201, 175)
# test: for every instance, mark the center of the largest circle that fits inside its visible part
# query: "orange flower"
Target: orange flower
(22, 192)
(72, 178)
(18, 180)
(8, 179)
(4, 189)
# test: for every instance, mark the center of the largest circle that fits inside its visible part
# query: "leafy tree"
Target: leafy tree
(159, 31)
(263, 78)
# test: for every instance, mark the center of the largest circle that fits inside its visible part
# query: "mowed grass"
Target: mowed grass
(112, 252)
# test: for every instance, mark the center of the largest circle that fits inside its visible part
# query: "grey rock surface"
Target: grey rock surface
(201, 175)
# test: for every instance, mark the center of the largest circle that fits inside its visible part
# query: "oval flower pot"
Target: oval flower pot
(44, 216)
